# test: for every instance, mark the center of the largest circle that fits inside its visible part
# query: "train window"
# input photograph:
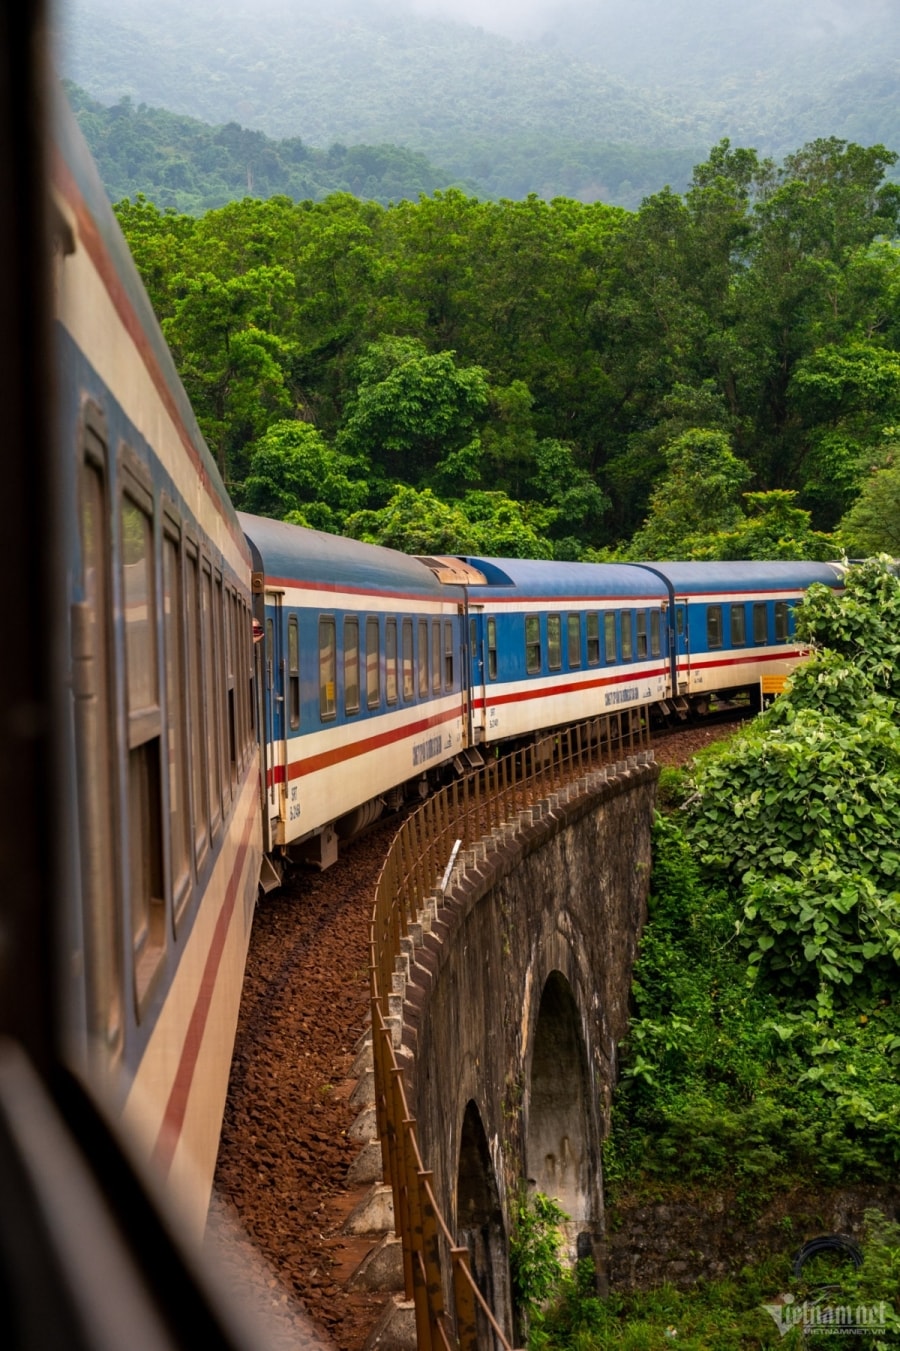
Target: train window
(738, 626)
(713, 626)
(593, 639)
(655, 633)
(195, 703)
(492, 649)
(250, 683)
(241, 651)
(294, 671)
(179, 815)
(242, 666)
(609, 638)
(96, 797)
(448, 655)
(422, 658)
(145, 859)
(408, 681)
(327, 668)
(532, 643)
(220, 638)
(140, 631)
(269, 701)
(435, 656)
(351, 665)
(781, 621)
(232, 709)
(231, 706)
(679, 620)
(390, 660)
(760, 624)
(554, 642)
(373, 664)
(627, 635)
(643, 650)
(210, 690)
(145, 842)
(573, 645)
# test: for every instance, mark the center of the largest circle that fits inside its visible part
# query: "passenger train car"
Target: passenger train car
(365, 691)
(159, 712)
(552, 643)
(559, 642)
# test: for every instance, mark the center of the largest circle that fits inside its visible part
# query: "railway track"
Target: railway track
(676, 745)
(285, 1150)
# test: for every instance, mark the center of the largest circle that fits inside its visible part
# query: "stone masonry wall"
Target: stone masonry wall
(565, 893)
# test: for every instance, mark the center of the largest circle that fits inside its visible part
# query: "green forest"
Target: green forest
(714, 375)
(179, 162)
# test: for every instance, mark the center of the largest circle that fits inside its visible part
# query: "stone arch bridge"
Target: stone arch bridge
(511, 1002)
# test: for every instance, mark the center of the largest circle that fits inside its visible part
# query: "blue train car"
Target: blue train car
(552, 643)
(732, 627)
(364, 682)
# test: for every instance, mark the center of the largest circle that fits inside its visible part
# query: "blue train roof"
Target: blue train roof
(557, 581)
(530, 577)
(294, 554)
(691, 578)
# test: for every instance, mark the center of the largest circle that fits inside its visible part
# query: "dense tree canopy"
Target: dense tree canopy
(716, 372)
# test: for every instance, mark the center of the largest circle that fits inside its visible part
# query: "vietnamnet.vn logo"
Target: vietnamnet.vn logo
(837, 1320)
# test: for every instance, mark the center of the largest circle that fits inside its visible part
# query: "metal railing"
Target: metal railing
(416, 872)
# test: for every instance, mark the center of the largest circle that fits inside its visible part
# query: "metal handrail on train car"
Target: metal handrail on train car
(465, 812)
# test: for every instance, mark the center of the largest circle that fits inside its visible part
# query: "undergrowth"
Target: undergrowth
(762, 1306)
(764, 1045)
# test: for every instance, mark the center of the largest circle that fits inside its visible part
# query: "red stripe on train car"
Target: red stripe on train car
(544, 691)
(176, 1107)
(778, 654)
(309, 765)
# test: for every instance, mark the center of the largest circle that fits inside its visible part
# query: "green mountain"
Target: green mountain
(512, 118)
(179, 162)
(767, 73)
(610, 100)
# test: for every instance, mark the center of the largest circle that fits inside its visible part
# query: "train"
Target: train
(222, 694)
(383, 674)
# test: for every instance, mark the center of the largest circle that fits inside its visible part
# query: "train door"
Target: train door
(476, 677)
(682, 644)
(276, 757)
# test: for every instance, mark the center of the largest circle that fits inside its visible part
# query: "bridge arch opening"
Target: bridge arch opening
(479, 1223)
(561, 1157)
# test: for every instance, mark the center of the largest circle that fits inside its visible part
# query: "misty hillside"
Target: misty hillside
(772, 73)
(183, 163)
(512, 118)
(611, 100)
